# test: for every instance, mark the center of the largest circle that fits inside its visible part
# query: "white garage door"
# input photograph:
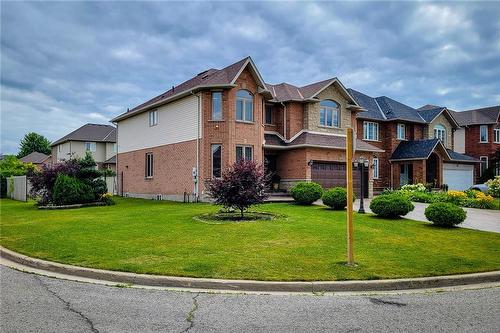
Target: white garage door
(458, 176)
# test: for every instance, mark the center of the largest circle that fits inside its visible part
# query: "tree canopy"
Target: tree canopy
(33, 142)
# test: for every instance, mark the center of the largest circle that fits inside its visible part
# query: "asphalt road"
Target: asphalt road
(32, 303)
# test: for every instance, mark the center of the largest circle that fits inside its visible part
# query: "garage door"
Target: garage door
(332, 174)
(458, 176)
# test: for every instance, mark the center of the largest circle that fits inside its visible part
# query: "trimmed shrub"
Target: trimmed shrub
(100, 187)
(445, 214)
(336, 198)
(391, 205)
(305, 193)
(69, 190)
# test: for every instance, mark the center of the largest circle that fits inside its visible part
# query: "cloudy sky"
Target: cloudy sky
(65, 64)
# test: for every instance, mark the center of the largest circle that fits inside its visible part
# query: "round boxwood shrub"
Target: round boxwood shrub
(305, 193)
(445, 214)
(391, 205)
(336, 198)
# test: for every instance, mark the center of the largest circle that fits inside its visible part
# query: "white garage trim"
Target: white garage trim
(458, 176)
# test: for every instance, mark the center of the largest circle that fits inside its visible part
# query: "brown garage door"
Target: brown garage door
(332, 174)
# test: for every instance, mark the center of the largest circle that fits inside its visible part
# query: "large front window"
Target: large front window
(244, 153)
(216, 160)
(370, 131)
(329, 113)
(440, 133)
(483, 133)
(244, 105)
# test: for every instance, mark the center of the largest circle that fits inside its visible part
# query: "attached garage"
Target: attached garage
(458, 176)
(333, 174)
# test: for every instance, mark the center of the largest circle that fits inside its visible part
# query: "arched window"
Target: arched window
(329, 113)
(244, 105)
(440, 133)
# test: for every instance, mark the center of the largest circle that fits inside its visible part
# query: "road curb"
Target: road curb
(252, 285)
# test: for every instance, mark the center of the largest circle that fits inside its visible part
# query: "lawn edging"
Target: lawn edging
(251, 285)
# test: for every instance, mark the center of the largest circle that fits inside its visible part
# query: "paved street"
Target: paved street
(32, 303)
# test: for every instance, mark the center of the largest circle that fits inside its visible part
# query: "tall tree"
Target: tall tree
(33, 142)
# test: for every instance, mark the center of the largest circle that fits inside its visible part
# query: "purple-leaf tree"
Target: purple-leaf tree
(242, 185)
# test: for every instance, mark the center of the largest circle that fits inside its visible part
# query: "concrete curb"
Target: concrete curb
(252, 285)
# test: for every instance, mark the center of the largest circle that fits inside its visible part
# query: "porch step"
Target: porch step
(279, 197)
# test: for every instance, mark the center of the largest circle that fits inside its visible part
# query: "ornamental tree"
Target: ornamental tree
(241, 185)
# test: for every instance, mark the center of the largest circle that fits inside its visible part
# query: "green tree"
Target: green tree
(33, 142)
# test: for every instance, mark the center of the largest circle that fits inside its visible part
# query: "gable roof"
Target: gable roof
(384, 108)
(429, 114)
(212, 78)
(286, 92)
(416, 149)
(90, 132)
(34, 157)
(488, 115)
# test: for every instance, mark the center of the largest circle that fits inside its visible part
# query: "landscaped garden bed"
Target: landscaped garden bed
(301, 243)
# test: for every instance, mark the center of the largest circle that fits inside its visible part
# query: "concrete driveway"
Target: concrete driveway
(478, 219)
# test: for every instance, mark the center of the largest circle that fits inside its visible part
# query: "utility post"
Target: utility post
(350, 240)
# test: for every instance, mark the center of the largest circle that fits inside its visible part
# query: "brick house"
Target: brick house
(169, 145)
(479, 136)
(417, 143)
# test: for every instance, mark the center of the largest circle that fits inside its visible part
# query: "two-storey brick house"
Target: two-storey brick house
(169, 145)
(417, 144)
(479, 136)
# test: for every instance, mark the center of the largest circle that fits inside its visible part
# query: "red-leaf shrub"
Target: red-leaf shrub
(242, 185)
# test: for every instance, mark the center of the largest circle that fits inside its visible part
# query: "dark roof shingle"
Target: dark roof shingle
(489, 115)
(34, 157)
(415, 149)
(90, 132)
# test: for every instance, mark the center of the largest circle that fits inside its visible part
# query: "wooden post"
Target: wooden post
(350, 240)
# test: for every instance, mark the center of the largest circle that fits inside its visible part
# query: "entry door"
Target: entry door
(403, 175)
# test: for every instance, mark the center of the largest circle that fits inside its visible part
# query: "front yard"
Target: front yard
(155, 237)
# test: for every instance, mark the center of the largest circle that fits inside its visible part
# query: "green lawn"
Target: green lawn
(156, 237)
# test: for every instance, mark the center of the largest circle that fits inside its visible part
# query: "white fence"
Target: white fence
(112, 185)
(17, 188)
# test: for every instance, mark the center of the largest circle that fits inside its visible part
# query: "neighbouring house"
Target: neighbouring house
(98, 139)
(169, 145)
(479, 136)
(38, 159)
(417, 143)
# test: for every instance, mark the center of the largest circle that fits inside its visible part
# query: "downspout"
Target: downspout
(197, 184)
(284, 120)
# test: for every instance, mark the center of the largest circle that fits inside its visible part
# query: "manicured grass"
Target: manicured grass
(308, 244)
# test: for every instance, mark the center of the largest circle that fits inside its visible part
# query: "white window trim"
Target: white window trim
(376, 169)
(244, 114)
(366, 126)
(437, 131)
(212, 158)
(244, 151)
(480, 136)
(399, 127)
(154, 121)
(496, 135)
(481, 164)
(333, 110)
(221, 106)
(91, 145)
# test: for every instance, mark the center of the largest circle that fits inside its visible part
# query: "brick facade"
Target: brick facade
(475, 148)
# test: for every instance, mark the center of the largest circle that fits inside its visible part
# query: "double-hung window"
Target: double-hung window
(216, 160)
(496, 133)
(244, 106)
(370, 131)
(244, 152)
(153, 118)
(217, 105)
(401, 132)
(440, 133)
(90, 146)
(375, 168)
(329, 113)
(483, 133)
(149, 165)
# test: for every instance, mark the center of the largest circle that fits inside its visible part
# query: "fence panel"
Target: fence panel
(17, 188)
(112, 185)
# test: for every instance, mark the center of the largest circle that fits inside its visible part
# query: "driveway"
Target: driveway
(33, 303)
(478, 219)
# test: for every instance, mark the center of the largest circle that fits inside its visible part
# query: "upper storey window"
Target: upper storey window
(329, 113)
(483, 133)
(244, 105)
(370, 131)
(217, 105)
(401, 131)
(153, 118)
(440, 133)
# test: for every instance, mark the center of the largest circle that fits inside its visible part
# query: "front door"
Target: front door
(403, 175)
